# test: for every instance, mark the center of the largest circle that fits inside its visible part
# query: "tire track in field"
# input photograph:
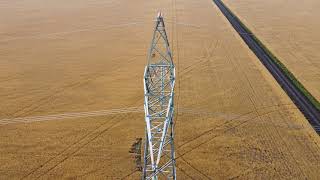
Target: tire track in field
(134, 109)
(266, 130)
(46, 99)
(212, 129)
(12, 77)
(60, 90)
(231, 125)
(207, 54)
(196, 139)
(55, 34)
(269, 130)
(200, 60)
(71, 115)
(74, 148)
(315, 157)
(129, 174)
(240, 71)
(305, 104)
(184, 172)
(102, 28)
(196, 169)
(63, 156)
(213, 75)
(208, 139)
(206, 58)
(70, 150)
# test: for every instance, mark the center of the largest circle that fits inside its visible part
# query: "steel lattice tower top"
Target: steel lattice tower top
(159, 80)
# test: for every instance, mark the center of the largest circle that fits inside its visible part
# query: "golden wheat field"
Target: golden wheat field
(71, 94)
(290, 29)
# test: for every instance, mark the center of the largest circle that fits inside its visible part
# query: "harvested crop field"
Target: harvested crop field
(290, 29)
(87, 57)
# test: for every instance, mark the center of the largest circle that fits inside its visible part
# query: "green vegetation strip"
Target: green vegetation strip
(294, 80)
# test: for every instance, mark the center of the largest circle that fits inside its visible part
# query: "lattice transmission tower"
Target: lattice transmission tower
(159, 80)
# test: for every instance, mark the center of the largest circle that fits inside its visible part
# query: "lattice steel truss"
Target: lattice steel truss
(159, 79)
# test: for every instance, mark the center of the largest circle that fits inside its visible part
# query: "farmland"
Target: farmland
(290, 33)
(232, 119)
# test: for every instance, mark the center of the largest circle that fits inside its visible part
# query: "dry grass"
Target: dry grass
(232, 119)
